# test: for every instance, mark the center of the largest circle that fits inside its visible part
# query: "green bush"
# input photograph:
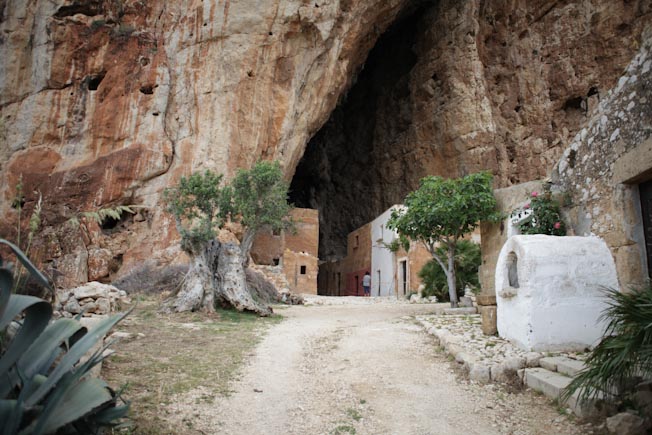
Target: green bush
(44, 386)
(467, 261)
(544, 216)
(624, 355)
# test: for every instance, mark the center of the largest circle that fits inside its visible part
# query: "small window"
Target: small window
(303, 270)
(276, 261)
(356, 242)
(512, 270)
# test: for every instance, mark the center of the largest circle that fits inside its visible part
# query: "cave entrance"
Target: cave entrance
(353, 168)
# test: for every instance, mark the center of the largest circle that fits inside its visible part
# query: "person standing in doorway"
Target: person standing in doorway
(366, 284)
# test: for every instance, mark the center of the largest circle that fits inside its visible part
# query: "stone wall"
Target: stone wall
(301, 270)
(604, 163)
(598, 174)
(294, 250)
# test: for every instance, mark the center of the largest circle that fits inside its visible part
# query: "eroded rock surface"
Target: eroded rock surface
(107, 102)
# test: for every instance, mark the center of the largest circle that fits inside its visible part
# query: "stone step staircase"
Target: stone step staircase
(553, 375)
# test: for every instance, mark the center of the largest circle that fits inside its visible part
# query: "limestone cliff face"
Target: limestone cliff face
(106, 102)
(479, 85)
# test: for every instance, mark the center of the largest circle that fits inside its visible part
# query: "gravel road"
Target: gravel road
(362, 368)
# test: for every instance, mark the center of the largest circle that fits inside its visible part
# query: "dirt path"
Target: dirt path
(361, 369)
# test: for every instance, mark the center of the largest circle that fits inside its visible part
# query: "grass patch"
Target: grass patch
(178, 353)
(354, 414)
(343, 429)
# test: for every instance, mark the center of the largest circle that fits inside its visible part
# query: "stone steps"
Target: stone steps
(564, 365)
(553, 377)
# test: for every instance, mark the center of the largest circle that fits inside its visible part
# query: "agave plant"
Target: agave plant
(624, 355)
(44, 385)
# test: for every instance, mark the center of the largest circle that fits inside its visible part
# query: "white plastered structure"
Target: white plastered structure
(382, 259)
(550, 291)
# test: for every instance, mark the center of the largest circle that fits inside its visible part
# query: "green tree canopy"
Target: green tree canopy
(441, 211)
(259, 197)
(199, 206)
(255, 198)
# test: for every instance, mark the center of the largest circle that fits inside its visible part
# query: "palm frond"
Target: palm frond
(625, 352)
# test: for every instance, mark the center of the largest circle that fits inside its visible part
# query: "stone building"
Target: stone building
(295, 252)
(394, 271)
(604, 176)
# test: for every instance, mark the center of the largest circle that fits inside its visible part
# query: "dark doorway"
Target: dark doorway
(403, 278)
(645, 190)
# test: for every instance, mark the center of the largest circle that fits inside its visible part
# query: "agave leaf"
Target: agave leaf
(36, 358)
(10, 415)
(30, 385)
(109, 415)
(78, 401)
(28, 264)
(71, 358)
(37, 316)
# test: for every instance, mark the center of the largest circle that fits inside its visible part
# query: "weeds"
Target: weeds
(354, 414)
(209, 356)
(343, 429)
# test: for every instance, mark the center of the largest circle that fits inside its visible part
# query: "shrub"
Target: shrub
(541, 215)
(44, 385)
(441, 211)
(467, 261)
(625, 353)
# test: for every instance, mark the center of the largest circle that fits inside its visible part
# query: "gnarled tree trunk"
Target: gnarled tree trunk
(216, 276)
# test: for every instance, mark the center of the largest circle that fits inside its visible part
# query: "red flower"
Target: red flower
(535, 194)
(526, 206)
(557, 225)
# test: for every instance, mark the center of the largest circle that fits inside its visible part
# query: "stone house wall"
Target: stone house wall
(602, 167)
(295, 251)
(599, 175)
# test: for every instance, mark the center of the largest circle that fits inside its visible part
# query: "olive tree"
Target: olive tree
(441, 211)
(202, 204)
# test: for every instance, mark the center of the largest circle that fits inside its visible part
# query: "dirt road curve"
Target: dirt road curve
(362, 368)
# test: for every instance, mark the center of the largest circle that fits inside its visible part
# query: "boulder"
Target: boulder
(92, 290)
(626, 424)
(72, 307)
(103, 306)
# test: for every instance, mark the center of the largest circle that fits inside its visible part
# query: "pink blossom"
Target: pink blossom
(557, 225)
(526, 206)
(535, 194)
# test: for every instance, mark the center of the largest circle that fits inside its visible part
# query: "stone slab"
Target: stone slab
(564, 365)
(570, 367)
(549, 383)
(461, 310)
(485, 300)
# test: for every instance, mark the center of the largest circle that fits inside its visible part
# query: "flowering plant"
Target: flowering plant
(539, 216)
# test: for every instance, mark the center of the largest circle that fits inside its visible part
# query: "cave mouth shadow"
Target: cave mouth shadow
(343, 170)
